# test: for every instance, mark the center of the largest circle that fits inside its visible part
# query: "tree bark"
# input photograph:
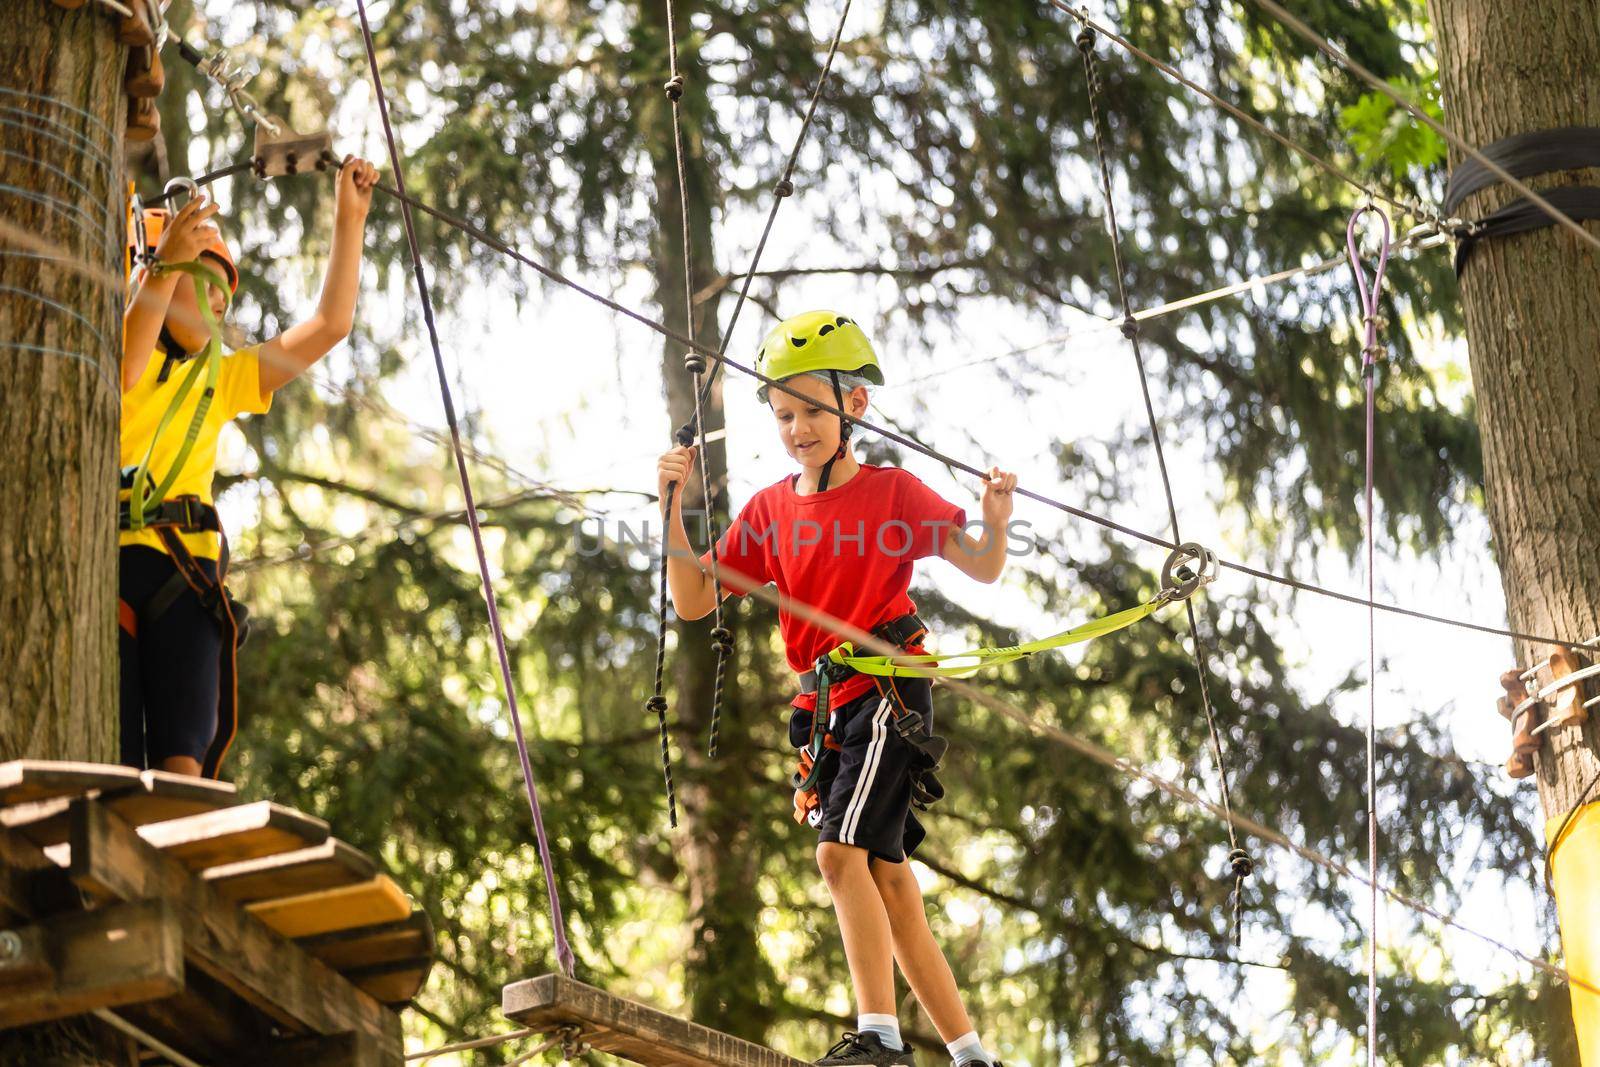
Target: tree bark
(61, 333)
(61, 291)
(1532, 304)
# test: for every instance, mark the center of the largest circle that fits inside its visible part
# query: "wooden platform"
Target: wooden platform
(233, 932)
(628, 1029)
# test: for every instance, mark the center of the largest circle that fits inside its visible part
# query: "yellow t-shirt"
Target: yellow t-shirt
(238, 392)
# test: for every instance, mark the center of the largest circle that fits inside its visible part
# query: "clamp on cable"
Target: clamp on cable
(231, 77)
(281, 151)
(1189, 568)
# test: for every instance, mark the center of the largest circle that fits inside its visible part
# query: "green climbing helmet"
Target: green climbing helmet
(816, 341)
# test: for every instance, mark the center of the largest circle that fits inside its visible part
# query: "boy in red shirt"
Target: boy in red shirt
(841, 536)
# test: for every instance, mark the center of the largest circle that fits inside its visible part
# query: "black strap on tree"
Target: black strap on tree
(1240, 865)
(1524, 155)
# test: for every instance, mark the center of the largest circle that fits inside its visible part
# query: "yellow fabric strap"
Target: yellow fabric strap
(923, 666)
(209, 362)
(1575, 867)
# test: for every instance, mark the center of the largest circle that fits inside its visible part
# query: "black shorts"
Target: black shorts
(171, 673)
(865, 789)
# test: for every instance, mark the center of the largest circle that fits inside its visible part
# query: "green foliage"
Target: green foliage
(1382, 132)
(953, 157)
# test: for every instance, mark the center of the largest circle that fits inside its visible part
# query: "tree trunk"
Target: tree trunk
(61, 239)
(61, 329)
(1532, 304)
(728, 979)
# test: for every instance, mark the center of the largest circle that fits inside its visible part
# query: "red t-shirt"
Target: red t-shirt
(847, 551)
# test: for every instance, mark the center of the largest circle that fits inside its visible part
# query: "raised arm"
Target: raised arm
(985, 558)
(184, 238)
(291, 353)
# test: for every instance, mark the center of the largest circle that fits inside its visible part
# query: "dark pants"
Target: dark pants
(171, 671)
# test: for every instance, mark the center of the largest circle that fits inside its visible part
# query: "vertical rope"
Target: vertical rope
(695, 363)
(557, 921)
(1240, 865)
(658, 702)
(1370, 352)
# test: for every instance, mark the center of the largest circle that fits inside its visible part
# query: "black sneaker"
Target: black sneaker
(855, 1049)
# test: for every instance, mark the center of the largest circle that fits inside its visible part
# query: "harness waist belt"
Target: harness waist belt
(899, 632)
(189, 514)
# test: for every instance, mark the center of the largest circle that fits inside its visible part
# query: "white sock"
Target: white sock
(968, 1048)
(885, 1026)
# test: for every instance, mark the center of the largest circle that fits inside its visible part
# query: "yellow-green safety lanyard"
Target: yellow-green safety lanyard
(912, 666)
(142, 498)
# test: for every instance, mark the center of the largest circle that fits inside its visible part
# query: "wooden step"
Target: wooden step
(290, 874)
(246, 832)
(25, 781)
(368, 903)
(628, 1029)
(151, 797)
(394, 983)
(369, 946)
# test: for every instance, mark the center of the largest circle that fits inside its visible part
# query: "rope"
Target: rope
(490, 241)
(695, 364)
(1420, 238)
(557, 922)
(1370, 295)
(1261, 574)
(468, 1046)
(781, 191)
(1341, 57)
(1124, 766)
(1240, 865)
(657, 702)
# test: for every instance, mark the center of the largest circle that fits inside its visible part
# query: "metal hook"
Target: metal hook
(1189, 567)
(169, 190)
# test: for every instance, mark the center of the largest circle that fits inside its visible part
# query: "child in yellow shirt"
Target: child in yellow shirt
(179, 628)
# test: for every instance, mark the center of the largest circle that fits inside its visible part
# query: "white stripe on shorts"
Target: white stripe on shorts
(869, 772)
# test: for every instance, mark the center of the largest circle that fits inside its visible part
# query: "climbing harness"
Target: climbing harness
(1188, 568)
(1370, 296)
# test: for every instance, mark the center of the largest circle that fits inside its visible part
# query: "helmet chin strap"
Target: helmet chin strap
(844, 433)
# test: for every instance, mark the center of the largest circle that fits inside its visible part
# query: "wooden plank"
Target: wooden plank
(154, 796)
(326, 866)
(230, 835)
(368, 903)
(368, 946)
(111, 859)
(630, 1030)
(395, 983)
(26, 780)
(99, 959)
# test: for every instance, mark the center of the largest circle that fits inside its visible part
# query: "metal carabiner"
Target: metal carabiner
(1189, 567)
(171, 189)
